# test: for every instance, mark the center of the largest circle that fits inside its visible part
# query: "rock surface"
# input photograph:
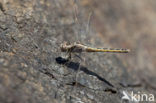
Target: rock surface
(34, 70)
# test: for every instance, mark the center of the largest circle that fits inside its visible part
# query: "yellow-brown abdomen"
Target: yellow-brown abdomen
(108, 50)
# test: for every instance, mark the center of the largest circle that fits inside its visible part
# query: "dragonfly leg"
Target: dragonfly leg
(79, 68)
(69, 56)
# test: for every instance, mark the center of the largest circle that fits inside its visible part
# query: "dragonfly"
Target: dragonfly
(79, 48)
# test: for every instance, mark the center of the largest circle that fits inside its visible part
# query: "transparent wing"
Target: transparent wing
(81, 35)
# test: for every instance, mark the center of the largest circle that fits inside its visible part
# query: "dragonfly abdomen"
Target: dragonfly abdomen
(111, 50)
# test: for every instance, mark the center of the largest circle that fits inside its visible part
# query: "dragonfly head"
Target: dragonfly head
(64, 46)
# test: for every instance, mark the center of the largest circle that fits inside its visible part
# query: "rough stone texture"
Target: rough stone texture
(33, 70)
